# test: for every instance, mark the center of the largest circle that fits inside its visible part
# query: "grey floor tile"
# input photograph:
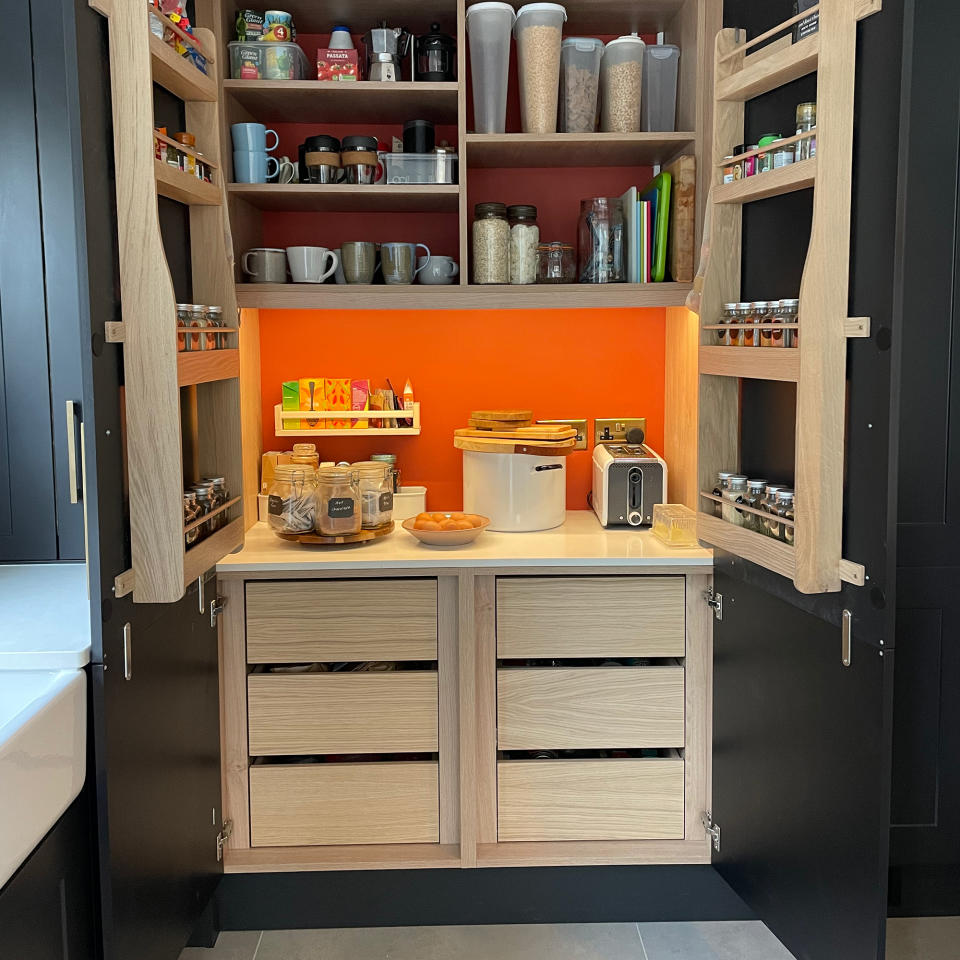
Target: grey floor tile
(722, 940)
(587, 941)
(923, 938)
(231, 945)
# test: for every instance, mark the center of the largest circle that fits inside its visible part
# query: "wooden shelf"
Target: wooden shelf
(345, 198)
(184, 187)
(575, 149)
(197, 560)
(390, 856)
(766, 74)
(205, 366)
(309, 296)
(280, 415)
(310, 101)
(178, 74)
(752, 363)
(773, 183)
(619, 16)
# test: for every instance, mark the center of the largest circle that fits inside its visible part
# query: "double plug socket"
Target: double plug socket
(615, 430)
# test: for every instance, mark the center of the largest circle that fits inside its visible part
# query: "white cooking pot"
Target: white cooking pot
(515, 490)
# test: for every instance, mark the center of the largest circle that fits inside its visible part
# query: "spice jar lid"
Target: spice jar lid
(184, 306)
(767, 139)
(490, 210)
(522, 211)
(724, 474)
(737, 478)
(733, 306)
(202, 485)
(321, 141)
(756, 483)
(336, 474)
(760, 304)
(790, 303)
(359, 143)
(784, 494)
(774, 487)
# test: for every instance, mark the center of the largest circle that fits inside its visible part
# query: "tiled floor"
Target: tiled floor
(595, 941)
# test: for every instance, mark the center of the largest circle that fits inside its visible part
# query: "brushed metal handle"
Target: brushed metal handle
(127, 651)
(846, 638)
(75, 480)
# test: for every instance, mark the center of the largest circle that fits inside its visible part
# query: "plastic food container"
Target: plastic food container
(420, 167)
(408, 502)
(539, 31)
(267, 61)
(675, 524)
(488, 26)
(621, 84)
(658, 109)
(579, 83)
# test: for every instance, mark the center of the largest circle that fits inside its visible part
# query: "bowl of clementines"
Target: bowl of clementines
(446, 529)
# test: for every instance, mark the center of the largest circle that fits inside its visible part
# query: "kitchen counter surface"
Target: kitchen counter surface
(580, 542)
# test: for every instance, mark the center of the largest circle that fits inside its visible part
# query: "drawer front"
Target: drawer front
(298, 621)
(569, 708)
(590, 799)
(322, 804)
(590, 617)
(342, 713)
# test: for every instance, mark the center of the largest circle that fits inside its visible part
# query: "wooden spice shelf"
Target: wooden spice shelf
(753, 363)
(300, 101)
(512, 150)
(213, 513)
(200, 558)
(184, 187)
(773, 183)
(179, 75)
(346, 198)
(206, 366)
(311, 296)
(280, 416)
(762, 76)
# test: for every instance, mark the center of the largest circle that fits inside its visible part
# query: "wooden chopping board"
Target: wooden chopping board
(537, 448)
(510, 416)
(546, 432)
(479, 424)
(683, 219)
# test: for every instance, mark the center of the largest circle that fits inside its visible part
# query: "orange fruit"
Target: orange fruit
(426, 525)
(440, 517)
(463, 524)
(424, 516)
(457, 516)
(450, 525)
(475, 519)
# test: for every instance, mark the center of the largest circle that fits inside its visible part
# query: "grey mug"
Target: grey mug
(359, 259)
(399, 262)
(265, 265)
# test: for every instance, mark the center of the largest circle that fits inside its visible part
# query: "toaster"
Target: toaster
(628, 479)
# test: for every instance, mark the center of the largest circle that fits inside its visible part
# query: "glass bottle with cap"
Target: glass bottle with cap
(785, 512)
(206, 500)
(735, 492)
(723, 483)
(754, 498)
(220, 496)
(771, 525)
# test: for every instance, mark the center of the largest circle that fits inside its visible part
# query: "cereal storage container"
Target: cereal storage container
(621, 83)
(579, 83)
(658, 109)
(489, 25)
(538, 31)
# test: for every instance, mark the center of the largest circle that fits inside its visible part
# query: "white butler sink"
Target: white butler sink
(43, 750)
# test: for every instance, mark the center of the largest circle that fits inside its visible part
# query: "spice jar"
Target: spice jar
(806, 121)
(198, 320)
(184, 316)
(774, 317)
(728, 316)
(621, 80)
(762, 312)
(390, 459)
(376, 493)
(214, 317)
(305, 455)
(338, 502)
(750, 163)
(209, 339)
(735, 492)
(220, 497)
(765, 159)
(770, 523)
(601, 240)
(491, 243)
(206, 500)
(723, 483)
(556, 263)
(746, 316)
(728, 165)
(785, 512)
(524, 240)
(737, 161)
(783, 156)
(292, 499)
(754, 498)
(191, 513)
(788, 313)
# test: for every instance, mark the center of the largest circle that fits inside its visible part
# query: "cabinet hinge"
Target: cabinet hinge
(222, 837)
(216, 608)
(712, 828)
(714, 600)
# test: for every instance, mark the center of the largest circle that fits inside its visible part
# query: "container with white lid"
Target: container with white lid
(539, 31)
(489, 25)
(621, 84)
(579, 83)
(659, 101)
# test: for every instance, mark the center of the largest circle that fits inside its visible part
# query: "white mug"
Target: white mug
(308, 264)
(286, 170)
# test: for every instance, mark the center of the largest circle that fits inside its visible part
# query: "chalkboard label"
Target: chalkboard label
(340, 507)
(275, 506)
(386, 502)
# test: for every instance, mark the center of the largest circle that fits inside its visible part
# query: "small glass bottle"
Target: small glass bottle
(789, 311)
(556, 262)
(774, 317)
(215, 320)
(754, 498)
(747, 320)
(762, 311)
(728, 316)
(184, 317)
(305, 455)
(191, 513)
(723, 483)
(769, 505)
(806, 120)
(735, 492)
(198, 320)
(339, 511)
(785, 512)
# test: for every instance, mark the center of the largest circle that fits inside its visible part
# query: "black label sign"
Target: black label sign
(386, 502)
(275, 506)
(340, 507)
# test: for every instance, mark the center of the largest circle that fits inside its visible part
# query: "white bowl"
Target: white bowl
(445, 538)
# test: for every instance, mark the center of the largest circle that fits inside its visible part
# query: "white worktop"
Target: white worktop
(44, 616)
(580, 542)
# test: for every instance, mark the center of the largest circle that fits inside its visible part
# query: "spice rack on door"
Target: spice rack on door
(818, 365)
(166, 392)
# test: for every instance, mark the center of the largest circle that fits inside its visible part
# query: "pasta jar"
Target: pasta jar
(788, 312)
(524, 240)
(770, 523)
(754, 498)
(491, 243)
(376, 493)
(806, 121)
(735, 493)
(556, 263)
(785, 512)
(723, 483)
(292, 499)
(338, 502)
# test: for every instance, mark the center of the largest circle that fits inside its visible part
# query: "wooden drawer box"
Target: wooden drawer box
(590, 799)
(343, 803)
(299, 621)
(590, 617)
(571, 708)
(342, 713)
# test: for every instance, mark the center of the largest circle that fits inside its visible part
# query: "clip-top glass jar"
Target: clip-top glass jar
(376, 493)
(390, 459)
(556, 262)
(339, 512)
(292, 499)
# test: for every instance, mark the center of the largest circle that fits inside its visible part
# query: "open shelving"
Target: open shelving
(345, 198)
(281, 416)
(184, 187)
(178, 75)
(207, 366)
(773, 183)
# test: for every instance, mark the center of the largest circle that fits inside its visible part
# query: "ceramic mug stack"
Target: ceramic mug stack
(250, 161)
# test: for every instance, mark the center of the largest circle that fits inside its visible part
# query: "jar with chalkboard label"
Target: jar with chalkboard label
(376, 493)
(292, 499)
(339, 511)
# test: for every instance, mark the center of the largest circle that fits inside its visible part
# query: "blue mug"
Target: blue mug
(253, 166)
(252, 136)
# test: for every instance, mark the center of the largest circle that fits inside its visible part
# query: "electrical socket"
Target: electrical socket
(579, 425)
(615, 430)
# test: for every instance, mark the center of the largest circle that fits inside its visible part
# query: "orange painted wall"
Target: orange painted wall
(583, 363)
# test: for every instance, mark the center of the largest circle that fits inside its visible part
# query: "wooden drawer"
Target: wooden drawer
(343, 803)
(590, 617)
(571, 708)
(342, 713)
(590, 799)
(300, 621)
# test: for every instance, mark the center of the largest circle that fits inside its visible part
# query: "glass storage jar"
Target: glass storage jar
(788, 313)
(198, 320)
(376, 493)
(556, 263)
(806, 121)
(338, 502)
(785, 512)
(763, 312)
(601, 240)
(771, 525)
(305, 455)
(292, 499)
(207, 501)
(723, 483)
(220, 496)
(783, 156)
(390, 459)
(491, 243)
(754, 498)
(215, 320)
(747, 317)
(191, 513)
(735, 492)
(524, 240)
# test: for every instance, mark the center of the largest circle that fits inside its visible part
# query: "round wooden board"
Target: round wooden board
(510, 416)
(318, 540)
(533, 448)
(498, 424)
